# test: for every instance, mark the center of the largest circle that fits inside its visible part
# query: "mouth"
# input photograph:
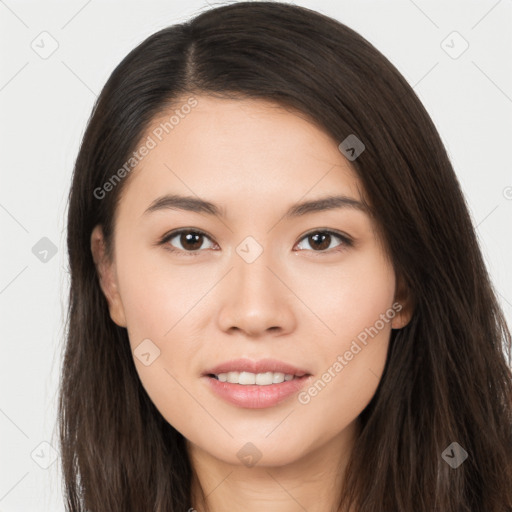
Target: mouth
(258, 379)
(256, 391)
(263, 372)
(256, 384)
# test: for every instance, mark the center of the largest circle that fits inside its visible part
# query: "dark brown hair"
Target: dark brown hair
(447, 376)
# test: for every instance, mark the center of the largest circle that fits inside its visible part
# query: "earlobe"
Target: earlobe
(107, 278)
(403, 297)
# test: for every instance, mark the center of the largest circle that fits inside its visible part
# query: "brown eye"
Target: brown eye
(191, 241)
(320, 241)
(188, 241)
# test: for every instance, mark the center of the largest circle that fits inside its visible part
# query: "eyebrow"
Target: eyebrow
(195, 204)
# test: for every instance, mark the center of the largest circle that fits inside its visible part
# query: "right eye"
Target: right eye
(190, 241)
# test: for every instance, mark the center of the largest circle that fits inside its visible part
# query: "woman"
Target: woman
(277, 297)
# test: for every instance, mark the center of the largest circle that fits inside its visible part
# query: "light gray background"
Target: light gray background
(44, 106)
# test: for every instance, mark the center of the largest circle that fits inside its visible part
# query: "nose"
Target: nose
(256, 300)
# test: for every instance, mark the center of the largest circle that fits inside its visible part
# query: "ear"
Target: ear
(107, 277)
(404, 297)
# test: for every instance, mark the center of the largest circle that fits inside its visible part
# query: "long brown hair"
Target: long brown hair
(447, 376)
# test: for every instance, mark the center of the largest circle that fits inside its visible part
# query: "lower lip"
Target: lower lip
(253, 396)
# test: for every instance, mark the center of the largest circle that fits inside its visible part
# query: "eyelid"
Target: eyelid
(347, 240)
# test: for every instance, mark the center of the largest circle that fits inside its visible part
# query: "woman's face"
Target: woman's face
(254, 277)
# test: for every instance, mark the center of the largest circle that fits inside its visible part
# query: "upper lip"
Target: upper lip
(260, 366)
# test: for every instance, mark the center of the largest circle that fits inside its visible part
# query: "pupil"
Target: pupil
(188, 238)
(324, 237)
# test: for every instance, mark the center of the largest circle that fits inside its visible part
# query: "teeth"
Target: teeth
(260, 379)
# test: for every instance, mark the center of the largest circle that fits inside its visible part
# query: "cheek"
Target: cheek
(158, 295)
(164, 305)
(161, 304)
(351, 353)
(347, 298)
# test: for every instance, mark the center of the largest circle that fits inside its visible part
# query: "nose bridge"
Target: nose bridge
(255, 300)
(253, 277)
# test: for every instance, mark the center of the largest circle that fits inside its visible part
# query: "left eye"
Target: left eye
(191, 241)
(322, 240)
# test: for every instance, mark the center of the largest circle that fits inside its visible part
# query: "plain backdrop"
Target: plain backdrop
(46, 99)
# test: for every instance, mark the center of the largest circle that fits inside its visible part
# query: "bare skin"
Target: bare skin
(299, 301)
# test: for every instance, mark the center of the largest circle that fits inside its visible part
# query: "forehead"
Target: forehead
(242, 151)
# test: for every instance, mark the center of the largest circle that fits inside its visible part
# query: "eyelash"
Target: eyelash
(347, 242)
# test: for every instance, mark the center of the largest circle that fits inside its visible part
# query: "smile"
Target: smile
(259, 379)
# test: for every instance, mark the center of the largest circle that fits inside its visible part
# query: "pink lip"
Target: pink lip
(261, 366)
(254, 396)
